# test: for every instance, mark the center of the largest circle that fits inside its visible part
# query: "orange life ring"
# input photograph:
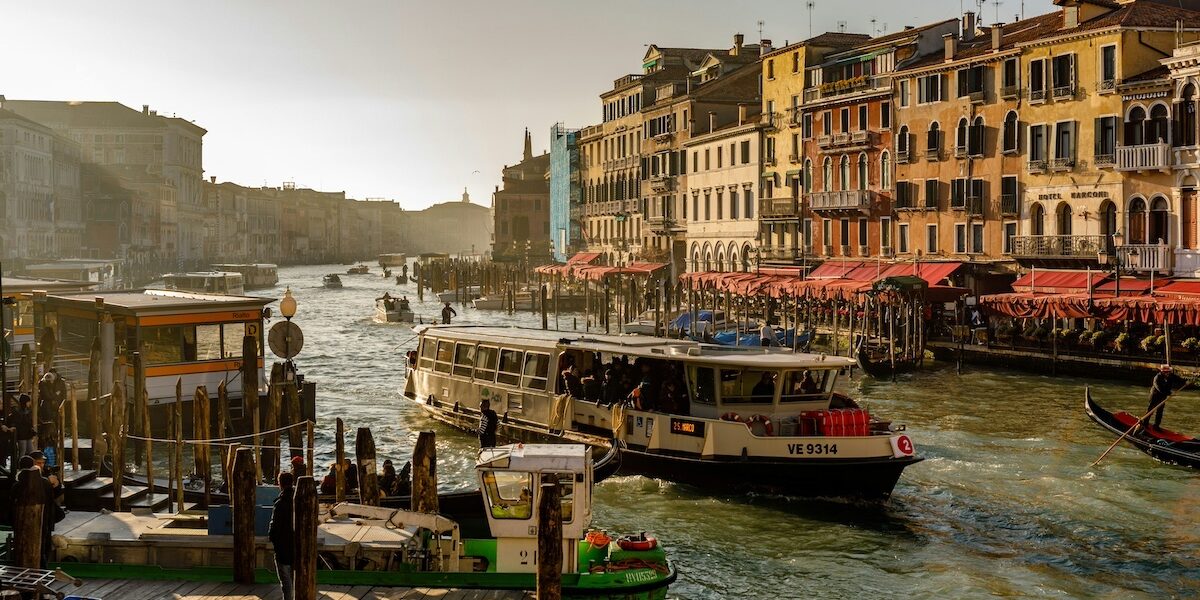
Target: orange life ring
(638, 545)
(766, 423)
(598, 539)
(732, 416)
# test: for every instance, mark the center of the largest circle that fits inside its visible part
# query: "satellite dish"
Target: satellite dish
(285, 339)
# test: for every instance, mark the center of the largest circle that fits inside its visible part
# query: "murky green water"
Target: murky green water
(1005, 504)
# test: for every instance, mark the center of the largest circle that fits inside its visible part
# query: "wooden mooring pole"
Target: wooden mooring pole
(241, 495)
(368, 476)
(549, 540)
(339, 467)
(424, 474)
(200, 430)
(29, 503)
(304, 564)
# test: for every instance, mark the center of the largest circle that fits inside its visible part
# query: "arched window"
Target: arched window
(746, 258)
(720, 258)
(1010, 132)
(695, 257)
(885, 171)
(1157, 131)
(975, 137)
(808, 176)
(1037, 220)
(1108, 219)
(902, 143)
(933, 140)
(844, 172)
(1159, 230)
(732, 253)
(960, 137)
(1135, 127)
(1137, 221)
(862, 171)
(827, 175)
(1187, 117)
(1063, 218)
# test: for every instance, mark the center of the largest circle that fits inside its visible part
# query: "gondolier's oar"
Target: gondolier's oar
(1139, 422)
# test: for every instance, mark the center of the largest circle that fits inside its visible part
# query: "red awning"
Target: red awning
(1181, 289)
(583, 258)
(646, 268)
(1058, 282)
(781, 271)
(934, 273)
(835, 269)
(550, 269)
(1130, 286)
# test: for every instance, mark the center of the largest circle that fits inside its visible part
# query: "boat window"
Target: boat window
(566, 491)
(509, 493)
(485, 364)
(231, 339)
(510, 367)
(445, 353)
(208, 342)
(464, 359)
(806, 385)
(748, 386)
(162, 345)
(536, 367)
(428, 350)
(700, 381)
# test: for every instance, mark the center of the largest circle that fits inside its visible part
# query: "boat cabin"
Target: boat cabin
(510, 479)
(207, 282)
(254, 276)
(181, 335)
(392, 260)
(105, 274)
(17, 319)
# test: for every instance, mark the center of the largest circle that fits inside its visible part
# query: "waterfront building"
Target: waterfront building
(848, 165)
(566, 197)
(522, 210)
(722, 188)
(40, 199)
(460, 227)
(784, 77)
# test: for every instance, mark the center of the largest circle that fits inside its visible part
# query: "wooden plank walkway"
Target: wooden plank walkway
(128, 589)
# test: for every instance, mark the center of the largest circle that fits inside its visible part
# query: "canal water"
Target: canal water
(1005, 504)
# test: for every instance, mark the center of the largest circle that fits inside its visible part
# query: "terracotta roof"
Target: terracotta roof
(903, 33)
(836, 39)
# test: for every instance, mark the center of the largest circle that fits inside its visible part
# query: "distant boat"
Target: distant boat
(358, 270)
(392, 260)
(211, 282)
(332, 281)
(464, 294)
(392, 310)
(254, 276)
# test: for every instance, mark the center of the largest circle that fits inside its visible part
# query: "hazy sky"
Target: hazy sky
(387, 99)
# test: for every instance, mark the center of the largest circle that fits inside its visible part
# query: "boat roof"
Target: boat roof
(24, 285)
(72, 264)
(148, 301)
(204, 274)
(535, 457)
(256, 265)
(639, 345)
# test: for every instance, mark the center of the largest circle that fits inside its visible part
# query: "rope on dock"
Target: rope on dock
(221, 441)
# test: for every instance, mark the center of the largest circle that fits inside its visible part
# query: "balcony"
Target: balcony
(842, 201)
(1106, 86)
(1037, 96)
(1036, 167)
(975, 206)
(933, 153)
(1146, 258)
(778, 208)
(1062, 164)
(1064, 92)
(844, 141)
(778, 253)
(773, 120)
(1060, 250)
(976, 97)
(902, 157)
(846, 87)
(665, 225)
(662, 183)
(794, 159)
(1144, 157)
(1104, 161)
(1009, 92)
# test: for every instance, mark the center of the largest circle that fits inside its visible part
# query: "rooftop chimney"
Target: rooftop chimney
(968, 26)
(145, 109)
(742, 114)
(712, 121)
(997, 35)
(737, 44)
(764, 46)
(951, 45)
(212, 178)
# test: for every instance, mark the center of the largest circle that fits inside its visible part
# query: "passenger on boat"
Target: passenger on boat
(488, 421)
(613, 390)
(299, 469)
(404, 303)
(806, 385)
(281, 532)
(351, 476)
(39, 461)
(329, 482)
(387, 481)
(23, 423)
(592, 388)
(764, 390)
(1165, 383)
(570, 382)
(51, 511)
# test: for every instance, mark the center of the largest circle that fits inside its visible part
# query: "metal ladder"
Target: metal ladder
(41, 582)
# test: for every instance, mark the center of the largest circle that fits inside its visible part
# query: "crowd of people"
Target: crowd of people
(645, 384)
(391, 482)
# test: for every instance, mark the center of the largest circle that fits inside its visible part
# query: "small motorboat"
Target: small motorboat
(358, 270)
(332, 281)
(393, 310)
(1161, 444)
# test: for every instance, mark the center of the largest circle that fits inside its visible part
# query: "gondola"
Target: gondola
(401, 279)
(874, 361)
(1161, 444)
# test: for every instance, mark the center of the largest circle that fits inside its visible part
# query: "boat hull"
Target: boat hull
(883, 369)
(1180, 453)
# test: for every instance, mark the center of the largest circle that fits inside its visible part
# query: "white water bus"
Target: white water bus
(257, 276)
(741, 418)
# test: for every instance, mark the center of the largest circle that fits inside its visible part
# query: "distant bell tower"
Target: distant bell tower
(466, 197)
(528, 145)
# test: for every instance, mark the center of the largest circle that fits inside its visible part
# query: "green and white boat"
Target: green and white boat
(385, 547)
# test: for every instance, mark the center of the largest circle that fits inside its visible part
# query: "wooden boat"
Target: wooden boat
(393, 310)
(358, 270)
(401, 279)
(332, 281)
(728, 434)
(1161, 444)
(875, 360)
(387, 546)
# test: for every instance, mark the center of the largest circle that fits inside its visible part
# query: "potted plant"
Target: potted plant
(1004, 333)
(1149, 343)
(1191, 344)
(1121, 342)
(1086, 338)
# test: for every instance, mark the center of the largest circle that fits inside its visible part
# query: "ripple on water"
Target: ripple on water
(1005, 506)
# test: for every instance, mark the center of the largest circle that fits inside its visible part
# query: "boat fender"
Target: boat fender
(732, 416)
(628, 543)
(766, 423)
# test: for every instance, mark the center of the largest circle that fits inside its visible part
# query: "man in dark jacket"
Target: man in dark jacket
(281, 532)
(447, 312)
(488, 422)
(1165, 383)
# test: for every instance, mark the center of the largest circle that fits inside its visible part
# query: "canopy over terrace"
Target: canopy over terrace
(1154, 309)
(580, 259)
(832, 280)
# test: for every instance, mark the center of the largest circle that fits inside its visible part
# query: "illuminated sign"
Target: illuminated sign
(687, 427)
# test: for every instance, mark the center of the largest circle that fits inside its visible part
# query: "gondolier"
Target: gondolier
(1165, 383)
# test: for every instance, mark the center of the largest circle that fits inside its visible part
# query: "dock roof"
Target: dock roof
(152, 301)
(23, 285)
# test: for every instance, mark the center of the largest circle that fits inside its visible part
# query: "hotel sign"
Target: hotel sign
(1076, 195)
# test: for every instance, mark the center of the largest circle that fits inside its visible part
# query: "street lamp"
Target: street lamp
(287, 308)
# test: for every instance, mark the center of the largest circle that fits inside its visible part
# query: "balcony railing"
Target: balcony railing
(1064, 91)
(1010, 91)
(1008, 205)
(1037, 95)
(1105, 161)
(662, 183)
(1059, 246)
(1146, 257)
(778, 207)
(1144, 157)
(1037, 166)
(1106, 85)
(974, 206)
(847, 86)
(902, 157)
(842, 200)
(778, 253)
(1062, 164)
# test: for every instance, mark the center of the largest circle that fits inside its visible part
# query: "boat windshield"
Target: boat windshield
(748, 386)
(807, 385)
(509, 494)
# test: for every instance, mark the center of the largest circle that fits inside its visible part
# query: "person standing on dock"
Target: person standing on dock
(767, 335)
(281, 532)
(447, 312)
(488, 421)
(23, 423)
(1165, 383)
